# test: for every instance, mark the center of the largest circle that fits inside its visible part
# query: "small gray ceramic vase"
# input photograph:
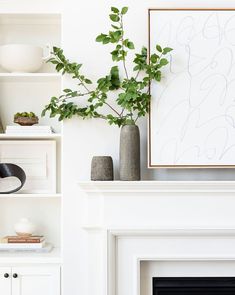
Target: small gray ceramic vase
(102, 168)
(129, 153)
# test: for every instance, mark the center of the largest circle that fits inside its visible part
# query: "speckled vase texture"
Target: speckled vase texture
(129, 153)
(102, 168)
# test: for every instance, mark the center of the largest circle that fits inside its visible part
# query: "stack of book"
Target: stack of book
(24, 243)
(28, 130)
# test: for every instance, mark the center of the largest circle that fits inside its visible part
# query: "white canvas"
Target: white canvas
(192, 118)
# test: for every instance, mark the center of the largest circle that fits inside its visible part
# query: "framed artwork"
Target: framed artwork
(37, 158)
(192, 111)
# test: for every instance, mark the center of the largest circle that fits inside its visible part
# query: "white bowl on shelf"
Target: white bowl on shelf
(22, 58)
(24, 227)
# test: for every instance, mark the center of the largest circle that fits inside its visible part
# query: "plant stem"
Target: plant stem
(124, 58)
(119, 115)
(137, 74)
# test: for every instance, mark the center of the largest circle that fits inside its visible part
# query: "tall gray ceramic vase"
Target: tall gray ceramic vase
(129, 153)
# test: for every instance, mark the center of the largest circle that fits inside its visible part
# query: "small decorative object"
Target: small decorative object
(11, 170)
(131, 91)
(129, 157)
(24, 227)
(22, 58)
(37, 158)
(25, 119)
(102, 168)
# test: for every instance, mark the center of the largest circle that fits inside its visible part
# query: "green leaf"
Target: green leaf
(67, 90)
(115, 9)
(159, 48)
(130, 45)
(166, 50)
(158, 76)
(43, 112)
(124, 10)
(106, 40)
(114, 17)
(100, 38)
(136, 68)
(144, 51)
(164, 62)
(59, 67)
(154, 58)
(114, 78)
(115, 27)
(87, 81)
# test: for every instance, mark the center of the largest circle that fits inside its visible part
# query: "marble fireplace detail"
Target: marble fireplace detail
(140, 230)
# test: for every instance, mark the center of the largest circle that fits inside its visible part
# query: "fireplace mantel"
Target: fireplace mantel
(150, 204)
(107, 187)
(129, 224)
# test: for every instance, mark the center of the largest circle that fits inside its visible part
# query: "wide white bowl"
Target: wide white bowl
(21, 58)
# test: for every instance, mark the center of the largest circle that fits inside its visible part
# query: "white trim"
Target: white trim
(157, 186)
(114, 234)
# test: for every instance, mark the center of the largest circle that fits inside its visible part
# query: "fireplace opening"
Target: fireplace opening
(194, 286)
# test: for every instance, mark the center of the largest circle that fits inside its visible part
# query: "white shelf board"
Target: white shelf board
(30, 18)
(157, 186)
(32, 196)
(30, 77)
(28, 257)
(4, 136)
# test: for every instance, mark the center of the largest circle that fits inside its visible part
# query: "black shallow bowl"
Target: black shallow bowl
(12, 170)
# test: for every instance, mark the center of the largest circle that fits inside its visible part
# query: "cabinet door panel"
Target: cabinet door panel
(36, 281)
(5, 282)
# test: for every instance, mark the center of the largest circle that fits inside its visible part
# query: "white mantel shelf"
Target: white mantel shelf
(150, 204)
(107, 187)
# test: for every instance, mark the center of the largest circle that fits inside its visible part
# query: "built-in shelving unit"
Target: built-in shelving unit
(20, 92)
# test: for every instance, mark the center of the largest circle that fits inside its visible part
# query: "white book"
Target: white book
(46, 249)
(29, 132)
(19, 246)
(25, 127)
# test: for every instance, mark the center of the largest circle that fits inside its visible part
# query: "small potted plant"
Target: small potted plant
(132, 93)
(25, 119)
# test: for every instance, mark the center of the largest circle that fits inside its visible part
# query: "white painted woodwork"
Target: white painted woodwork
(5, 283)
(136, 230)
(25, 22)
(36, 280)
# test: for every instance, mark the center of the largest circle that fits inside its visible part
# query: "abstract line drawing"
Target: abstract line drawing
(192, 111)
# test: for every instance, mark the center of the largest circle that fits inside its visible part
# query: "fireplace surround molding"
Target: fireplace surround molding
(123, 229)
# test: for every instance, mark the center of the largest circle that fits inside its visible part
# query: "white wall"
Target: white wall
(83, 21)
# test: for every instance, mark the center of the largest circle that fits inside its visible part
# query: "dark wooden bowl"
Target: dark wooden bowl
(26, 121)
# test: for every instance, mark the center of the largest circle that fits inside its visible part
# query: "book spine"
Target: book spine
(24, 241)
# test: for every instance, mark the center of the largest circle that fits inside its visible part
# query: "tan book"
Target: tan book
(22, 239)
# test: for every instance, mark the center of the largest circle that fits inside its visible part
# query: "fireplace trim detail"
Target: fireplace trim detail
(117, 212)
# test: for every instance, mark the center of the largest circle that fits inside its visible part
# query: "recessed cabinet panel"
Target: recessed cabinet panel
(36, 280)
(5, 280)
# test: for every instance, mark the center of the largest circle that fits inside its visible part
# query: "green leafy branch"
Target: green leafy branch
(132, 93)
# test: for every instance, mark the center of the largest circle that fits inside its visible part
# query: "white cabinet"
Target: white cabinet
(5, 280)
(30, 280)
